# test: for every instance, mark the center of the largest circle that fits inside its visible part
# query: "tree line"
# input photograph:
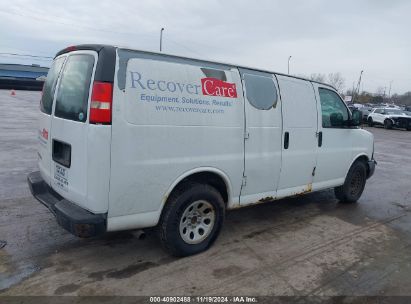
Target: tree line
(380, 96)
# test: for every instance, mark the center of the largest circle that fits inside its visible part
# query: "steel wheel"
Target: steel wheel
(197, 222)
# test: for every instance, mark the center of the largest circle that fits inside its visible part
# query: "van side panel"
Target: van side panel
(300, 121)
(171, 117)
(98, 167)
(263, 144)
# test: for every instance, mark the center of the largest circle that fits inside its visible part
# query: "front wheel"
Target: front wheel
(192, 219)
(354, 184)
(370, 122)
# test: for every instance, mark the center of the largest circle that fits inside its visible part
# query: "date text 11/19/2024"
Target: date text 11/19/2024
(204, 299)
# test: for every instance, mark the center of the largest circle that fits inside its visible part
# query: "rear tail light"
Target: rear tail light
(101, 103)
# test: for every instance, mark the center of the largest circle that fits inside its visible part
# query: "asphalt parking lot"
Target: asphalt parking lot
(307, 245)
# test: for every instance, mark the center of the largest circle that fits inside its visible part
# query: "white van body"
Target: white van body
(253, 135)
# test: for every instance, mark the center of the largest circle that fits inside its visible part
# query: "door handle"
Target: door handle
(320, 139)
(286, 140)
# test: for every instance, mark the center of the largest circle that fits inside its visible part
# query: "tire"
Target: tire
(354, 184)
(388, 124)
(370, 122)
(192, 219)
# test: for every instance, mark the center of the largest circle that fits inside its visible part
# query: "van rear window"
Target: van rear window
(46, 102)
(73, 92)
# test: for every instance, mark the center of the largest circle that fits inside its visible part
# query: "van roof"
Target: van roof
(99, 47)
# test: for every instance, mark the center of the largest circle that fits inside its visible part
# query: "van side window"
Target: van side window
(73, 92)
(46, 102)
(260, 91)
(333, 109)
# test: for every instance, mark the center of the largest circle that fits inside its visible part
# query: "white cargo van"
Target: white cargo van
(131, 139)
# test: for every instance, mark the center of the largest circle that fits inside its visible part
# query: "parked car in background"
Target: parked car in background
(365, 111)
(352, 107)
(358, 105)
(389, 118)
(389, 106)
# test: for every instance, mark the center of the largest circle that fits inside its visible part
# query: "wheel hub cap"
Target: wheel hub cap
(197, 222)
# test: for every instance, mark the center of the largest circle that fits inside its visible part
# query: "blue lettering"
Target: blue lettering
(150, 82)
(158, 85)
(189, 87)
(133, 80)
(162, 85)
(180, 86)
(173, 87)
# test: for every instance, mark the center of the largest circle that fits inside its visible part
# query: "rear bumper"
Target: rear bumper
(371, 167)
(76, 220)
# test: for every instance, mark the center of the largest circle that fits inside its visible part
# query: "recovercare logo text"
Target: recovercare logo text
(209, 86)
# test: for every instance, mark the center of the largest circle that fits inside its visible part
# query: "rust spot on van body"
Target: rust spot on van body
(266, 199)
(305, 191)
(260, 201)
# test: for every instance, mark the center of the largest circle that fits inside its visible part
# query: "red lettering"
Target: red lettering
(216, 87)
(45, 134)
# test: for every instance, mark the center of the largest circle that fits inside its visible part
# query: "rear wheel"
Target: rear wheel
(192, 219)
(388, 124)
(370, 122)
(354, 184)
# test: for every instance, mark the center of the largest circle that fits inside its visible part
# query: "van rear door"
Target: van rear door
(69, 127)
(46, 107)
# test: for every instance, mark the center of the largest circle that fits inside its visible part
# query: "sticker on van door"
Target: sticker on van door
(182, 94)
(43, 136)
(61, 177)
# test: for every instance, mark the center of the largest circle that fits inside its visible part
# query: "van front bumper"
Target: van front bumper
(74, 219)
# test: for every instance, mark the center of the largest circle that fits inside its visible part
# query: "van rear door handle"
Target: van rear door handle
(320, 139)
(286, 140)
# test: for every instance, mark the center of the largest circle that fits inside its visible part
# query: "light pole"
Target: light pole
(358, 87)
(161, 39)
(289, 58)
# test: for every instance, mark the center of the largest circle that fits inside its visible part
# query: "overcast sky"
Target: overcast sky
(322, 36)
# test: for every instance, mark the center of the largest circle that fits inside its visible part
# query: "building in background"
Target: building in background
(22, 77)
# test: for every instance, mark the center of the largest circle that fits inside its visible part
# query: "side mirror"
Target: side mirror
(356, 118)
